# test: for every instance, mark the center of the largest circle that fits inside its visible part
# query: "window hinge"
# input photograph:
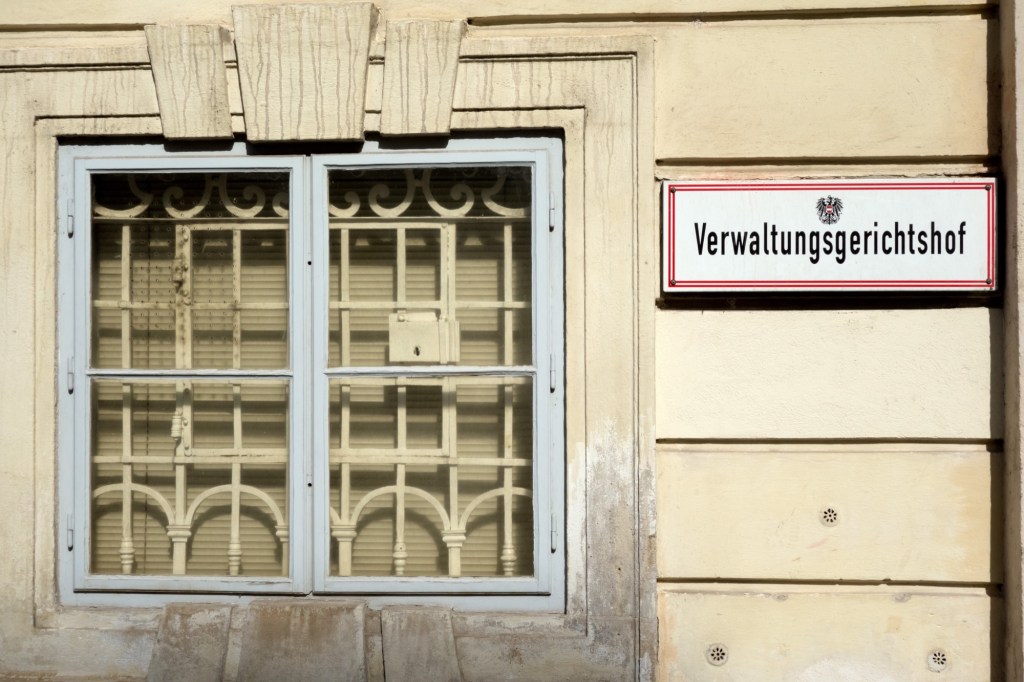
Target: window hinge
(71, 532)
(551, 212)
(554, 533)
(71, 374)
(551, 373)
(71, 219)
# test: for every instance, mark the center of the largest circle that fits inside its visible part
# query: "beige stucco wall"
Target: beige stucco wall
(889, 409)
(892, 418)
(827, 89)
(844, 374)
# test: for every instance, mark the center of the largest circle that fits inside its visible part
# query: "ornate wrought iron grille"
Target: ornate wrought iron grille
(189, 473)
(430, 373)
(431, 473)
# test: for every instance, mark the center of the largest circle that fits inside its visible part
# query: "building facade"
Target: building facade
(336, 346)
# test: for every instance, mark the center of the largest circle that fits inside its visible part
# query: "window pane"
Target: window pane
(432, 476)
(430, 266)
(189, 477)
(189, 270)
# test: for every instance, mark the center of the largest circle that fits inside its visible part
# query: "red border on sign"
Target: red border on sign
(989, 283)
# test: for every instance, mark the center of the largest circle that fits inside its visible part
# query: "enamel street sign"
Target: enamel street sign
(845, 235)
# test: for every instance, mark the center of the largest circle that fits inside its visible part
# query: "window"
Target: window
(322, 374)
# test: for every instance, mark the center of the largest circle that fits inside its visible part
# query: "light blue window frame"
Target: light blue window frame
(77, 166)
(308, 374)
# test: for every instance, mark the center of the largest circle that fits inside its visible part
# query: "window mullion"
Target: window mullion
(318, 326)
(301, 287)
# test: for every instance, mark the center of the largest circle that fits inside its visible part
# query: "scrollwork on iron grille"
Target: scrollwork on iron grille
(460, 193)
(184, 196)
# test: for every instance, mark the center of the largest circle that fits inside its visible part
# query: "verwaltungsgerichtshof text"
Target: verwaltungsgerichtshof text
(837, 243)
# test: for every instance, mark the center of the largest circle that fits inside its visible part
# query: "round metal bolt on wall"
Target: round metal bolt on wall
(717, 654)
(829, 516)
(938, 661)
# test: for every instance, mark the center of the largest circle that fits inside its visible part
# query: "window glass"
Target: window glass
(425, 252)
(189, 271)
(431, 476)
(189, 478)
(457, 452)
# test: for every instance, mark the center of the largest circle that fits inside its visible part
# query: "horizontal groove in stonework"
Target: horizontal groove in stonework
(819, 162)
(746, 585)
(839, 11)
(987, 444)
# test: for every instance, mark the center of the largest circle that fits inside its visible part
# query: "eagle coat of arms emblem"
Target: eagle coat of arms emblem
(829, 209)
